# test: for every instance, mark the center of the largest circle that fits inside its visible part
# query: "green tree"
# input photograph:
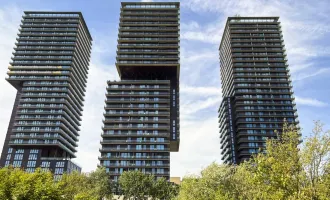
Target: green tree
(7, 184)
(95, 185)
(212, 183)
(315, 156)
(279, 173)
(100, 182)
(73, 185)
(136, 185)
(16, 184)
(162, 189)
(20, 185)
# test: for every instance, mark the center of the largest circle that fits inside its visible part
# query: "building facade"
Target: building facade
(141, 125)
(256, 86)
(49, 71)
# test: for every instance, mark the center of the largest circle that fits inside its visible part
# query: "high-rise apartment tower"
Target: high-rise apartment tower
(49, 70)
(141, 125)
(256, 86)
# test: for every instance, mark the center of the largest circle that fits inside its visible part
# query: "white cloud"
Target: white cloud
(191, 107)
(184, 89)
(304, 75)
(146, 0)
(301, 33)
(210, 33)
(310, 102)
(199, 145)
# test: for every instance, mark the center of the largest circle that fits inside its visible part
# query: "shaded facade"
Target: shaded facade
(49, 70)
(256, 86)
(141, 125)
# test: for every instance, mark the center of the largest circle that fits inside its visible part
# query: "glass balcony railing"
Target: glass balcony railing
(134, 141)
(134, 126)
(134, 165)
(136, 134)
(136, 113)
(133, 149)
(147, 62)
(134, 157)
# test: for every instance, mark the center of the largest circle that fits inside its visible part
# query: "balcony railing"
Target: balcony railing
(135, 134)
(131, 149)
(135, 165)
(135, 126)
(134, 141)
(133, 157)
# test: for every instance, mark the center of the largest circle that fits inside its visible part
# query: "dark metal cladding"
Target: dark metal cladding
(141, 125)
(49, 70)
(256, 86)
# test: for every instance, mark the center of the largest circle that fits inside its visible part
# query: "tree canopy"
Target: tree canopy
(285, 171)
(139, 186)
(17, 184)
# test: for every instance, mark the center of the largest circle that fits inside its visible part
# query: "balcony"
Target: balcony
(154, 173)
(137, 100)
(114, 165)
(135, 107)
(134, 158)
(104, 149)
(137, 94)
(133, 142)
(54, 143)
(136, 114)
(144, 134)
(135, 127)
(130, 120)
(71, 145)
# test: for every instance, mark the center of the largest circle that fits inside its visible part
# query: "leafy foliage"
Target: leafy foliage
(284, 172)
(137, 185)
(16, 184)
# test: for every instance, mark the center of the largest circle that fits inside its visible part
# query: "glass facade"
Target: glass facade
(49, 70)
(256, 86)
(141, 125)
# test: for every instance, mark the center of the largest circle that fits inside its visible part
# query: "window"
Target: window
(60, 164)
(59, 170)
(253, 144)
(252, 151)
(45, 164)
(31, 163)
(17, 163)
(160, 147)
(20, 151)
(30, 170)
(18, 156)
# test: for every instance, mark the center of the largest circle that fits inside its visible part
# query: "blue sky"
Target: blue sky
(306, 29)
